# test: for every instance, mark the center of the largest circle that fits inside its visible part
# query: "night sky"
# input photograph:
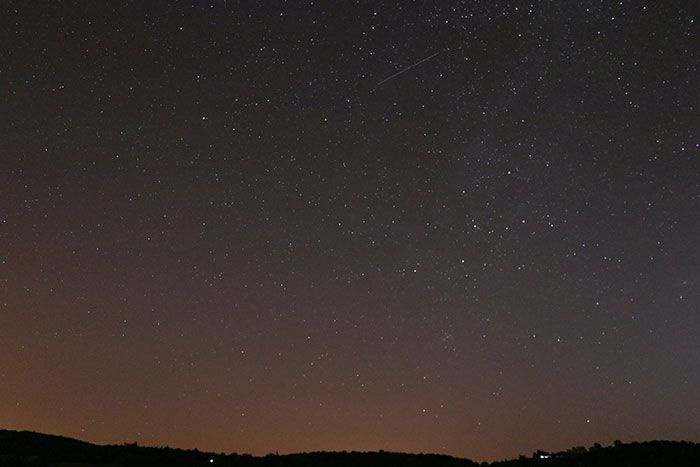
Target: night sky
(457, 227)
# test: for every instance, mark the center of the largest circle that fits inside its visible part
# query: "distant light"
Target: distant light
(211, 461)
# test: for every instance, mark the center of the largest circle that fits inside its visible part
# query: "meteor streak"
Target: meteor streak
(404, 70)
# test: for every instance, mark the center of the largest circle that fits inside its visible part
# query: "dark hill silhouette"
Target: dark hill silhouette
(25, 448)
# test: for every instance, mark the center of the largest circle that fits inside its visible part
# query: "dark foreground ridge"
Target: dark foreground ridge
(26, 448)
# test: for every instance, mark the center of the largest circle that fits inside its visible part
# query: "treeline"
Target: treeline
(25, 448)
(646, 454)
(28, 449)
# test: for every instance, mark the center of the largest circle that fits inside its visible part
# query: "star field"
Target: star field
(458, 227)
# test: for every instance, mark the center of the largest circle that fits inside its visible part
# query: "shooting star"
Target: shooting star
(404, 70)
